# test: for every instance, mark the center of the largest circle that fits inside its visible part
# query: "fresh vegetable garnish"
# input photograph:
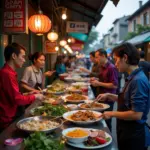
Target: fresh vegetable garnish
(39, 141)
(50, 110)
(100, 140)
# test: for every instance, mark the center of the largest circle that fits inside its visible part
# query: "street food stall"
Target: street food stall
(66, 117)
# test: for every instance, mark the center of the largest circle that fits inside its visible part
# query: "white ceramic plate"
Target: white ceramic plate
(105, 106)
(72, 89)
(81, 79)
(81, 145)
(68, 114)
(80, 84)
(74, 101)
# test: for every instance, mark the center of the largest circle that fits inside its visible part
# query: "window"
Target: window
(145, 17)
(134, 25)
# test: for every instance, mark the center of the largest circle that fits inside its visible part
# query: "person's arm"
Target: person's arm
(139, 97)
(27, 87)
(106, 96)
(126, 115)
(106, 85)
(25, 79)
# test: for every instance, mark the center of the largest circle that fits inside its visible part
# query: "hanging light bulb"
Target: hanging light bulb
(69, 40)
(64, 14)
(52, 36)
(62, 43)
(56, 48)
(77, 52)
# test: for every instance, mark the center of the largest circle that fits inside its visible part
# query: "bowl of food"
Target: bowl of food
(39, 123)
(76, 135)
(63, 76)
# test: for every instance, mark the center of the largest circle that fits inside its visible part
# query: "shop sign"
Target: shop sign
(49, 47)
(15, 16)
(77, 47)
(73, 26)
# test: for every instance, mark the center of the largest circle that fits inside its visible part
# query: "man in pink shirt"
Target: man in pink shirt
(10, 97)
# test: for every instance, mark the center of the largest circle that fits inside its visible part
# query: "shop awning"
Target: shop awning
(147, 40)
(140, 38)
(79, 36)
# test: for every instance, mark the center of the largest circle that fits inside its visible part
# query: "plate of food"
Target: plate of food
(96, 140)
(75, 98)
(83, 117)
(52, 99)
(48, 110)
(74, 89)
(80, 84)
(94, 106)
(57, 88)
(39, 123)
(81, 79)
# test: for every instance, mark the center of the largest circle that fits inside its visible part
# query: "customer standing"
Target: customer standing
(94, 72)
(11, 98)
(33, 79)
(145, 65)
(60, 65)
(133, 101)
(108, 78)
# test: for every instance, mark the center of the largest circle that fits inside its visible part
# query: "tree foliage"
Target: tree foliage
(139, 29)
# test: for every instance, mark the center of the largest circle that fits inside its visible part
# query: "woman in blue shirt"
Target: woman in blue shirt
(133, 101)
(60, 65)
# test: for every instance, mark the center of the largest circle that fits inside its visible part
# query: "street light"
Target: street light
(64, 14)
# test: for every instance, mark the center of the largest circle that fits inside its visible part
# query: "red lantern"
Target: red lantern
(39, 24)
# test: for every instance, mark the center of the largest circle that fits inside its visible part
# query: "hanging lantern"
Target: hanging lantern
(39, 24)
(62, 43)
(52, 36)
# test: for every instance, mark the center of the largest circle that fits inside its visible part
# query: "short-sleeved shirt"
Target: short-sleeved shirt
(60, 68)
(137, 93)
(108, 74)
(137, 97)
(31, 76)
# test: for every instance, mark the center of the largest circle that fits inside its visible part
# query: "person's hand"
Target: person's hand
(39, 97)
(102, 97)
(48, 73)
(107, 114)
(93, 78)
(95, 83)
(35, 92)
(84, 70)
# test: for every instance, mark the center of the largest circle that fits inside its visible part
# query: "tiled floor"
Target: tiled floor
(114, 125)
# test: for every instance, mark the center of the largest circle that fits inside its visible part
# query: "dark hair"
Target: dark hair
(92, 53)
(35, 56)
(12, 48)
(142, 54)
(130, 50)
(102, 52)
(59, 60)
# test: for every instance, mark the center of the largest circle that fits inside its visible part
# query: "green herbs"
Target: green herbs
(50, 110)
(39, 141)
